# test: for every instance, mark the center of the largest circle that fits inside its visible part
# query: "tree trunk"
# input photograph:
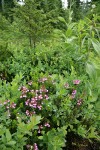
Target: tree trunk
(2, 3)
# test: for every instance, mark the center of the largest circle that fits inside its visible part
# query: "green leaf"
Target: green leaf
(90, 69)
(8, 135)
(11, 143)
(40, 137)
(35, 120)
(81, 131)
(93, 133)
(62, 19)
(96, 46)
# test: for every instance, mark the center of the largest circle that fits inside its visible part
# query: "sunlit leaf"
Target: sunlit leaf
(96, 46)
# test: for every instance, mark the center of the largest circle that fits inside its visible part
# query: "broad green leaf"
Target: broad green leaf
(40, 137)
(96, 46)
(8, 135)
(62, 19)
(35, 120)
(90, 69)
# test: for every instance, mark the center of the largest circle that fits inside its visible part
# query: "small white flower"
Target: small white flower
(93, 6)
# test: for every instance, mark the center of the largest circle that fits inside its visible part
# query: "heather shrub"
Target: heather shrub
(48, 108)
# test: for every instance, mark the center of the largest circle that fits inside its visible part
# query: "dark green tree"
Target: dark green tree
(53, 10)
(33, 21)
(6, 5)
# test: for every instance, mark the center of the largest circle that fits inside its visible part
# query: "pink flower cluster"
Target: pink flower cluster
(41, 126)
(9, 105)
(76, 82)
(47, 125)
(79, 102)
(24, 91)
(29, 113)
(74, 91)
(33, 147)
(12, 105)
(36, 100)
(42, 80)
(73, 94)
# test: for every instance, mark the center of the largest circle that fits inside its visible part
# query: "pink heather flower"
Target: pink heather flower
(40, 97)
(12, 105)
(24, 90)
(27, 112)
(40, 127)
(47, 125)
(79, 102)
(36, 91)
(66, 85)
(32, 99)
(74, 92)
(33, 105)
(35, 146)
(39, 107)
(36, 98)
(46, 97)
(27, 102)
(42, 80)
(76, 82)
(7, 107)
(5, 102)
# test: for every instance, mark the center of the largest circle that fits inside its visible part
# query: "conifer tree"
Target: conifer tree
(33, 21)
(38, 18)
